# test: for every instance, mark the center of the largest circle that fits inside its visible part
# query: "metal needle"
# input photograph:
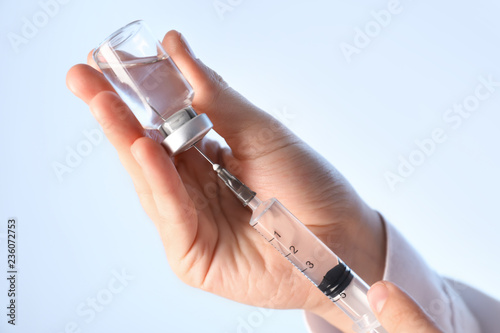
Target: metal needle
(198, 149)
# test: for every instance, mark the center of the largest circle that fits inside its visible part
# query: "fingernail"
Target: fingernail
(187, 47)
(377, 295)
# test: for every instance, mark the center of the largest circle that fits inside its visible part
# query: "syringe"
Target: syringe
(306, 252)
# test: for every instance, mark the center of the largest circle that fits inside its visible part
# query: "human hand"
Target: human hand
(204, 229)
(397, 312)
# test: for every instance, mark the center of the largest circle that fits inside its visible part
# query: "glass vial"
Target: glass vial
(147, 79)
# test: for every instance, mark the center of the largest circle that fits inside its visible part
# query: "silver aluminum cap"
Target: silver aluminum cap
(183, 129)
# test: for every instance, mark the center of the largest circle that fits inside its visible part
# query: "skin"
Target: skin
(208, 241)
(398, 312)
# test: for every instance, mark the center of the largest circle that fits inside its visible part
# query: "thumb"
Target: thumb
(235, 118)
(397, 311)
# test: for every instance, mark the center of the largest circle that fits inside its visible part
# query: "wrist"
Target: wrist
(368, 247)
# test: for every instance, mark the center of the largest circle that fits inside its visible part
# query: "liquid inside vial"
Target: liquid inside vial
(152, 87)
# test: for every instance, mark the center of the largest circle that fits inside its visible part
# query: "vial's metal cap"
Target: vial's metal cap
(183, 129)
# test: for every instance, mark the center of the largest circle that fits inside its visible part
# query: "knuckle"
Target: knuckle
(217, 81)
(216, 86)
(109, 109)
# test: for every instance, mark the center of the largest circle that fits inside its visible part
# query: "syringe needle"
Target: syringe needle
(217, 168)
(202, 154)
(241, 191)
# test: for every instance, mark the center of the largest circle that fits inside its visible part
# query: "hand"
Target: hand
(397, 311)
(204, 229)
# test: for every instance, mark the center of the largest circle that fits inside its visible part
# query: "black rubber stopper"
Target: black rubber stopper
(336, 280)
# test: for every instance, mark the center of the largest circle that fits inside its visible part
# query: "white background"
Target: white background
(285, 56)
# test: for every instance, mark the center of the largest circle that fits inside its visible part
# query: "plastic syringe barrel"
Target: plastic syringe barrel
(316, 261)
(307, 253)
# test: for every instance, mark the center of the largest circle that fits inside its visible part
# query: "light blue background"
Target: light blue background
(284, 56)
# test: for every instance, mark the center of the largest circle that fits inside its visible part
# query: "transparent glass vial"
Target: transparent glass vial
(147, 79)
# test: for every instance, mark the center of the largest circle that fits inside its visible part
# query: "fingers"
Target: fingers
(122, 129)
(91, 62)
(177, 211)
(85, 82)
(117, 121)
(236, 119)
(398, 312)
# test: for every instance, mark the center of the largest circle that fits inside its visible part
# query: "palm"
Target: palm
(204, 229)
(228, 257)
